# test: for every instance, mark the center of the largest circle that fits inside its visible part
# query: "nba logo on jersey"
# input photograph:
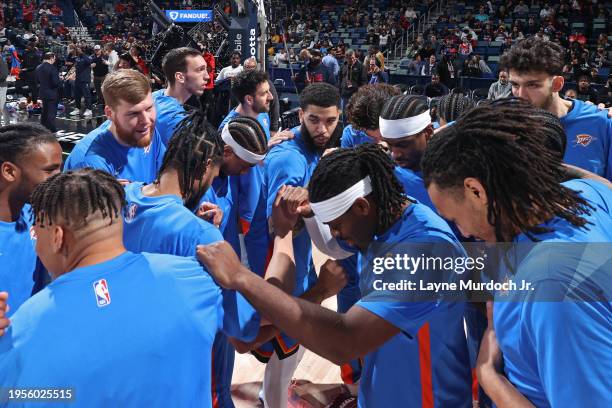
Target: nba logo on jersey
(147, 149)
(32, 233)
(102, 294)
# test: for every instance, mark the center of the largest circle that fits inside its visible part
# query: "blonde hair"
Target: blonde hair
(125, 85)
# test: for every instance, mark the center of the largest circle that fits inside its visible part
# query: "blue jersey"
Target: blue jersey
(427, 364)
(17, 259)
(589, 139)
(100, 150)
(163, 225)
(169, 113)
(102, 323)
(224, 193)
(289, 163)
(414, 186)
(352, 138)
(543, 341)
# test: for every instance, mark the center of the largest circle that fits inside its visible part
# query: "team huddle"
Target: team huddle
(171, 244)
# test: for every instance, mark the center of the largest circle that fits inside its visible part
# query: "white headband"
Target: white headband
(332, 208)
(240, 151)
(396, 129)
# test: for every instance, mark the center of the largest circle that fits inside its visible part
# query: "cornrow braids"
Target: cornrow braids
(73, 197)
(249, 133)
(16, 140)
(193, 143)
(341, 169)
(502, 147)
(404, 106)
(451, 106)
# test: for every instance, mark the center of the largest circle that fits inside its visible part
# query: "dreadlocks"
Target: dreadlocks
(342, 168)
(75, 196)
(16, 140)
(248, 133)
(193, 143)
(502, 147)
(451, 106)
(365, 105)
(553, 132)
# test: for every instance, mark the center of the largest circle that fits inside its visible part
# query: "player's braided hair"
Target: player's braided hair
(403, 106)
(74, 196)
(249, 133)
(17, 139)
(502, 147)
(451, 106)
(339, 170)
(193, 143)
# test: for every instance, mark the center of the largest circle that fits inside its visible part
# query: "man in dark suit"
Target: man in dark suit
(48, 78)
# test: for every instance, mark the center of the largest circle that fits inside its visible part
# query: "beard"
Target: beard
(131, 139)
(334, 140)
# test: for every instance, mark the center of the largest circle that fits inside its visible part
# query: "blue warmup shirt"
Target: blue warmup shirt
(414, 186)
(224, 193)
(17, 259)
(352, 138)
(169, 113)
(100, 150)
(289, 163)
(163, 225)
(559, 354)
(589, 139)
(136, 330)
(428, 360)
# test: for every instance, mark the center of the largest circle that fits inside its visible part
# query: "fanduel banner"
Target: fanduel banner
(189, 16)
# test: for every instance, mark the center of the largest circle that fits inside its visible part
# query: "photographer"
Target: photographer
(375, 73)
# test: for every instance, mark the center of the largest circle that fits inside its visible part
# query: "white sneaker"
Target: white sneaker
(88, 113)
(75, 112)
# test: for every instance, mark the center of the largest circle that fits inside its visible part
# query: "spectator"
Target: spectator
(280, 57)
(600, 59)
(82, 87)
(571, 93)
(501, 88)
(435, 88)
(375, 74)
(383, 40)
(331, 62)
(234, 69)
(585, 92)
(373, 51)
(352, 76)
(372, 38)
(521, 8)
(516, 33)
(112, 55)
(314, 71)
(482, 15)
(100, 70)
(429, 68)
(448, 69)
(30, 61)
(465, 48)
(126, 61)
(506, 45)
(416, 65)
(471, 67)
